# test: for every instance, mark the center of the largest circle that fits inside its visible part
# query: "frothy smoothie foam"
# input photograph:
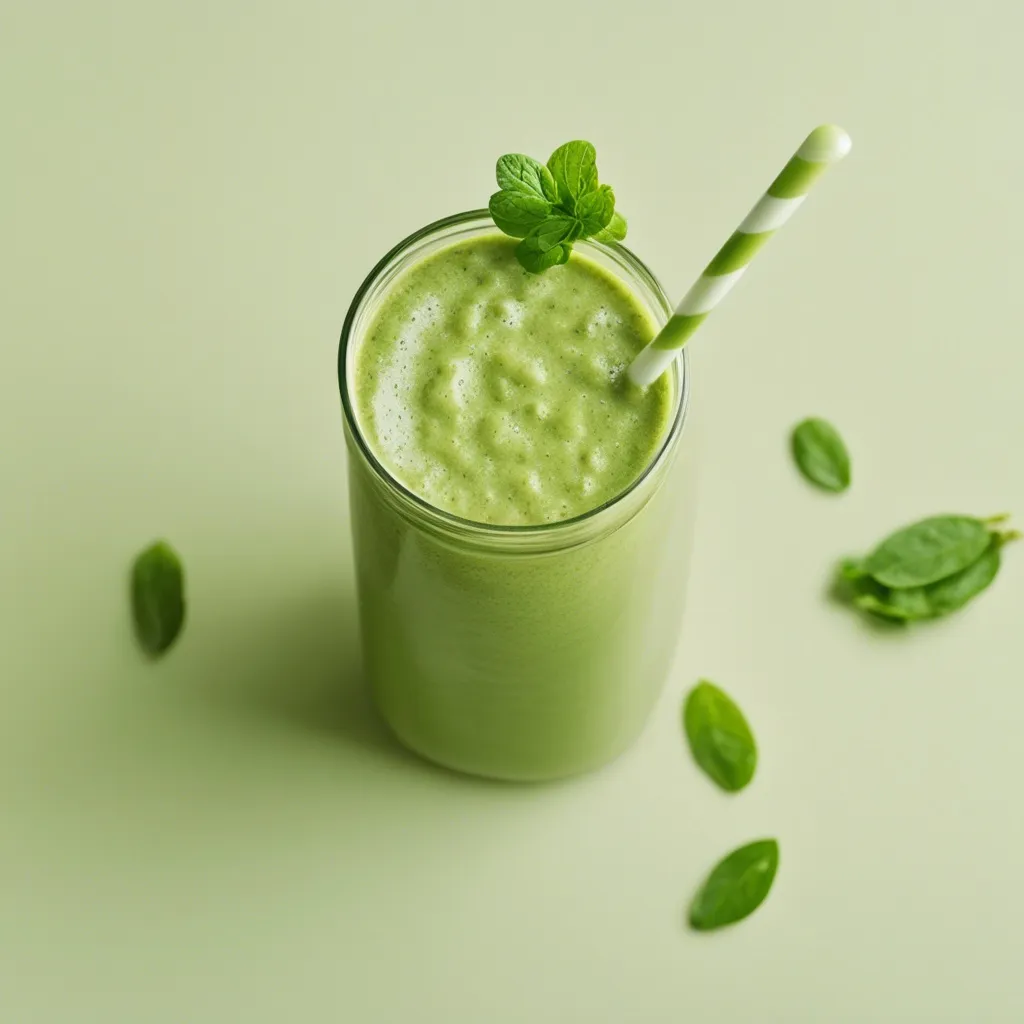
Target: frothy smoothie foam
(501, 396)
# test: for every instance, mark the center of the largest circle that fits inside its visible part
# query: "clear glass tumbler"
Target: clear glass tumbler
(517, 652)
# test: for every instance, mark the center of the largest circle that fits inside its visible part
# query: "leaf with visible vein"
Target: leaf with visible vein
(517, 172)
(574, 168)
(517, 213)
(596, 209)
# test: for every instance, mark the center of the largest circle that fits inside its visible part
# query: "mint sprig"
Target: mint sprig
(550, 207)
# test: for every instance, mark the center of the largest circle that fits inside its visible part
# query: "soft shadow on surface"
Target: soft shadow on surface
(298, 667)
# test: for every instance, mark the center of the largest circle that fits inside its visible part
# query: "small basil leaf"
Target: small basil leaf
(927, 551)
(595, 209)
(720, 738)
(821, 455)
(574, 168)
(517, 213)
(517, 172)
(615, 231)
(158, 597)
(736, 887)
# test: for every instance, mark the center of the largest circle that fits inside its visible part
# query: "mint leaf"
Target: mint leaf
(615, 232)
(518, 213)
(551, 207)
(549, 244)
(595, 209)
(158, 600)
(519, 173)
(536, 261)
(574, 168)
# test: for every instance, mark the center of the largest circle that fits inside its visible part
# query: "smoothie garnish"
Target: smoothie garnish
(551, 207)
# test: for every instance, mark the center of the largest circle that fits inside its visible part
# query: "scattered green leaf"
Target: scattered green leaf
(720, 738)
(736, 887)
(946, 543)
(821, 455)
(948, 595)
(158, 597)
(929, 550)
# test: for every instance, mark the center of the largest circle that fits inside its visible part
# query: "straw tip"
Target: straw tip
(826, 144)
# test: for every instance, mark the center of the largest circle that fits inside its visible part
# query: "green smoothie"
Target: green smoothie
(499, 395)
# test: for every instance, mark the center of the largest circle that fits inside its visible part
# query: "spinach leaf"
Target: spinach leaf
(821, 455)
(720, 738)
(736, 887)
(158, 600)
(927, 551)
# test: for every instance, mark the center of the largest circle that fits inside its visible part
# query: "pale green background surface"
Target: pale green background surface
(189, 194)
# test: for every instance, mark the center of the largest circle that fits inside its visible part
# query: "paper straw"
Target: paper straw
(825, 145)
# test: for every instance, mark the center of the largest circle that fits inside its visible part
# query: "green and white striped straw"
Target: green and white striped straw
(825, 145)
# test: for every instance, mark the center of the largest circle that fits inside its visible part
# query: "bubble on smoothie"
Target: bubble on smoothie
(511, 313)
(598, 319)
(464, 378)
(469, 318)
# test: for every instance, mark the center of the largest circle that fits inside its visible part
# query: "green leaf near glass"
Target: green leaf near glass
(821, 454)
(926, 570)
(721, 741)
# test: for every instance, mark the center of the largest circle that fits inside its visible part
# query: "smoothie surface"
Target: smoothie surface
(501, 396)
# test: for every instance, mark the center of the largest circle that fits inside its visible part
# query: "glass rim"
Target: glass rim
(624, 257)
